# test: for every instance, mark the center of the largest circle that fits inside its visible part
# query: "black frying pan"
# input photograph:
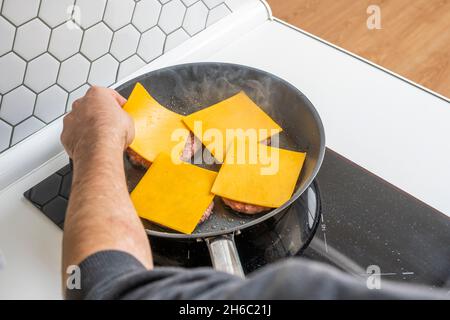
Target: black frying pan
(190, 87)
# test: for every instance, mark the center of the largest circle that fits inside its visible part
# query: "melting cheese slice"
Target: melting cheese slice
(154, 126)
(238, 112)
(266, 177)
(174, 195)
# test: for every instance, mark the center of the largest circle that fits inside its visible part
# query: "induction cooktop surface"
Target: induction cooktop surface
(366, 225)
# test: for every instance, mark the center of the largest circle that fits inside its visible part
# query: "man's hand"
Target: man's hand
(100, 215)
(97, 120)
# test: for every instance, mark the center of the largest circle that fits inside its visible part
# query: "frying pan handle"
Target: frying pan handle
(224, 255)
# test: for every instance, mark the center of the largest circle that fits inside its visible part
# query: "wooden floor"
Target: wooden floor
(414, 39)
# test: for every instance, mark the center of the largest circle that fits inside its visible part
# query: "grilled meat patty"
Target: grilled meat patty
(191, 147)
(244, 207)
(207, 212)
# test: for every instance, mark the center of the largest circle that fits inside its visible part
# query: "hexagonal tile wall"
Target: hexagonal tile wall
(74, 72)
(32, 39)
(55, 12)
(13, 66)
(51, 104)
(152, 44)
(52, 50)
(103, 71)
(189, 2)
(125, 42)
(172, 15)
(146, 14)
(41, 72)
(25, 128)
(5, 134)
(217, 13)
(195, 20)
(119, 13)
(129, 66)
(65, 41)
(7, 31)
(17, 105)
(96, 41)
(89, 12)
(20, 11)
(175, 38)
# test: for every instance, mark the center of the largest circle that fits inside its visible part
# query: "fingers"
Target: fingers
(95, 90)
(65, 136)
(76, 104)
(121, 100)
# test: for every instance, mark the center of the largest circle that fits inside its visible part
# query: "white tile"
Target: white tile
(171, 16)
(125, 42)
(152, 44)
(175, 38)
(25, 129)
(96, 41)
(129, 66)
(32, 39)
(118, 13)
(212, 3)
(20, 11)
(65, 41)
(146, 14)
(73, 72)
(74, 95)
(217, 13)
(103, 71)
(14, 67)
(41, 72)
(50, 104)
(189, 2)
(6, 35)
(195, 19)
(90, 12)
(55, 12)
(5, 135)
(17, 105)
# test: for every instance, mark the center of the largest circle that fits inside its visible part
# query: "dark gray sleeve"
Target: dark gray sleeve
(118, 275)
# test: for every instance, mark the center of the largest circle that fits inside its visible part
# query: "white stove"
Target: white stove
(384, 123)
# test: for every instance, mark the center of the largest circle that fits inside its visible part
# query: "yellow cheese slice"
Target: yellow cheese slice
(174, 195)
(267, 178)
(238, 112)
(157, 129)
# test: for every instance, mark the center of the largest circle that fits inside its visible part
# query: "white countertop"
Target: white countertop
(384, 124)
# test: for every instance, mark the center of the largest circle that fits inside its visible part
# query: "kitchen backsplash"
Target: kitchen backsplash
(52, 50)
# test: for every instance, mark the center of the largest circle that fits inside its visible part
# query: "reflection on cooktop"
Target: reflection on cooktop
(367, 223)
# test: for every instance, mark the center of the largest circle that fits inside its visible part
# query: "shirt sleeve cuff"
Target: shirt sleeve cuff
(97, 270)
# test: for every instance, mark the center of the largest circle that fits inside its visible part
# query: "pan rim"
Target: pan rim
(294, 197)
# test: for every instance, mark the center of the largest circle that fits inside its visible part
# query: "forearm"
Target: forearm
(100, 214)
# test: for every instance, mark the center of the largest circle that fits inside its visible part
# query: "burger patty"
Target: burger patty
(207, 212)
(136, 160)
(190, 148)
(243, 207)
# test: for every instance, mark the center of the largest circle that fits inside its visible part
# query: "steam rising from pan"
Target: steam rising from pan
(191, 87)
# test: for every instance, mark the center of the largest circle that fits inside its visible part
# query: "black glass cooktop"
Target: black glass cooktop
(366, 224)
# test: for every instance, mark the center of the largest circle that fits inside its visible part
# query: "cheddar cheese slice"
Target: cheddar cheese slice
(157, 129)
(174, 195)
(265, 178)
(237, 113)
